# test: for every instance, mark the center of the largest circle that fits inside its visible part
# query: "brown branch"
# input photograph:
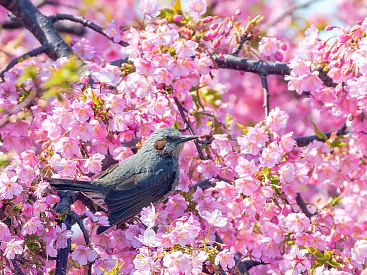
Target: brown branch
(17, 268)
(65, 27)
(15, 61)
(181, 109)
(240, 266)
(264, 83)
(19, 107)
(86, 23)
(288, 11)
(67, 198)
(40, 26)
(303, 206)
(239, 46)
(257, 66)
(304, 141)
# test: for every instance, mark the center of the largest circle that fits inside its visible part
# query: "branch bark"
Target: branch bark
(40, 26)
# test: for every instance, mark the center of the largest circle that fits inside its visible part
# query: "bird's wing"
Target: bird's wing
(139, 191)
(106, 172)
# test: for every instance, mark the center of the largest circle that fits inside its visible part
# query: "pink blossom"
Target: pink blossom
(162, 75)
(118, 239)
(132, 234)
(103, 263)
(287, 173)
(4, 231)
(94, 163)
(116, 103)
(67, 147)
(269, 46)
(13, 247)
(270, 157)
(359, 252)
(247, 185)
(207, 168)
(149, 7)
(68, 166)
(277, 119)
(143, 66)
(104, 77)
(81, 110)
(225, 259)
(197, 260)
(62, 235)
(245, 168)
(176, 205)
(214, 218)
(9, 186)
(185, 233)
(145, 262)
(148, 216)
(149, 238)
(114, 31)
(287, 143)
(32, 226)
(177, 262)
(297, 260)
(197, 6)
(268, 248)
(310, 82)
(185, 48)
(221, 144)
(83, 255)
(297, 222)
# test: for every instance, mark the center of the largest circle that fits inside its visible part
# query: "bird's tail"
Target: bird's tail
(73, 185)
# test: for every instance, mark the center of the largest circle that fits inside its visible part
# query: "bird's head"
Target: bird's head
(167, 142)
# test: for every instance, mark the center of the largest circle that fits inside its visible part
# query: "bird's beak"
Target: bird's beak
(187, 138)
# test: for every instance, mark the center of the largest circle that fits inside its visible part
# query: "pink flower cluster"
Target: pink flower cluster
(245, 193)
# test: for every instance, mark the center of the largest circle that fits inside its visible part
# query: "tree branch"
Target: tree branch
(264, 83)
(15, 61)
(257, 66)
(66, 27)
(187, 124)
(67, 198)
(40, 26)
(86, 23)
(304, 141)
(302, 205)
(288, 11)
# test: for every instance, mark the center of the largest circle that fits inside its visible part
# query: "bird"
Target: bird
(146, 178)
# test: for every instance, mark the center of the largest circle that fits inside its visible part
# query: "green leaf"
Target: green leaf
(335, 201)
(338, 142)
(315, 252)
(334, 263)
(328, 254)
(177, 7)
(318, 132)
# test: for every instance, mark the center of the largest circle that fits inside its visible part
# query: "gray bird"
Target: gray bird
(144, 178)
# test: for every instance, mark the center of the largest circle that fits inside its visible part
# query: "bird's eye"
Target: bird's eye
(167, 138)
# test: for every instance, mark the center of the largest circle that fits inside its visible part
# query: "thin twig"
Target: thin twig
(264, 83)
(181, 109)
(15, 61)
(79, 221)
(17, 268)
(239, 46)
(302, 205)
(19, 107)
(86, 23)
(289, 11)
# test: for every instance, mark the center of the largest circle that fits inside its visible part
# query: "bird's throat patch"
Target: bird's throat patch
(159, 145)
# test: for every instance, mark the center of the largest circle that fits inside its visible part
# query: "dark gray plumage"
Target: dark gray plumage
(144, 178)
